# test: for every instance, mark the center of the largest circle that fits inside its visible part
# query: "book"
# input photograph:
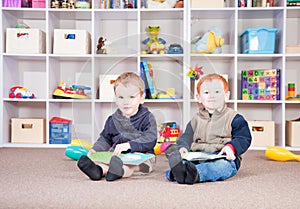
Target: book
(143, 76)
(149, 79)
(202, 157)
(128, 158)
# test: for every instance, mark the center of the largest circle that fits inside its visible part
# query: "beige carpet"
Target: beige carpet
(46, 178)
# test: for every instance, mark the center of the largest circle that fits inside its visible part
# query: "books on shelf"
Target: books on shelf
(147, 76)
(256, 3)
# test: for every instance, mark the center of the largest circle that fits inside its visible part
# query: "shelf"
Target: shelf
(125, 29)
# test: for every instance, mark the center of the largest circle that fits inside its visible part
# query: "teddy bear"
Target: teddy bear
(101, 48)
(210, 43)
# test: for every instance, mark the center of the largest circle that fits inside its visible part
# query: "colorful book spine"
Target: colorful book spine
(149, 80)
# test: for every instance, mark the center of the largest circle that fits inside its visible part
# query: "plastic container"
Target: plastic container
(60, 131)
(258, 41)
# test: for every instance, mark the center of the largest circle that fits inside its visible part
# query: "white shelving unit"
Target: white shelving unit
(125, 29)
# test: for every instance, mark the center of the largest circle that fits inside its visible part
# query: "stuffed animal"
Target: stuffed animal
(101, 48)
(161, 4)
(154, 45)
(210, 43)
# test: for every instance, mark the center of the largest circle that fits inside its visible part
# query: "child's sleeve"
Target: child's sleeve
(241, 136)
(104, 142)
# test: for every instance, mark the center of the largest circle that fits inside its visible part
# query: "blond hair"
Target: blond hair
(211, 77)
(130, 78)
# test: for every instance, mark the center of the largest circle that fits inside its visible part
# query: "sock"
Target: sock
(192, 175)
(178, 169)
(87, 166)
(144, 168)
(115, 170)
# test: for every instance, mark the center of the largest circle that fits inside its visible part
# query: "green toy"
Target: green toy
(154, 45)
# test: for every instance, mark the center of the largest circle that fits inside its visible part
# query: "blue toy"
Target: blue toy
(75, 152)
(210, 43)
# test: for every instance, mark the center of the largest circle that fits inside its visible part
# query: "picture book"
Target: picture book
(128, 158)
(202, 156)
(149, 78)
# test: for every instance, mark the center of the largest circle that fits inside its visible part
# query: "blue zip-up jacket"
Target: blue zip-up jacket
(139, 130)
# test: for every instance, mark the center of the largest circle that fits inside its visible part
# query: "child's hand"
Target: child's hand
(120, 148)
(183, 152)
(92, 151)
(229, 153)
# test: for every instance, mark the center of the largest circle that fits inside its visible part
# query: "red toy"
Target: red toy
(169, 132)
(20, 92)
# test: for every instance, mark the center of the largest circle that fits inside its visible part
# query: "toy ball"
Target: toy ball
(157, 149)
(164, 146)
(75, 152)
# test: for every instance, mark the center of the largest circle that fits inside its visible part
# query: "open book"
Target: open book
(128, 158)
(202, 156)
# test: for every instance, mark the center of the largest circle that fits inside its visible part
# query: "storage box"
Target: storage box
(60, 131)
(293, 133)
(38, 3)
(293, 49)
(207, 4)
(106, 87)
(28, 130)
(71, 42)
(25, 41)
(258, 41)
(263, 133)
(260, 84)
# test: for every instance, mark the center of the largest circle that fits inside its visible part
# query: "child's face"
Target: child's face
(128, 99)
(212, 95)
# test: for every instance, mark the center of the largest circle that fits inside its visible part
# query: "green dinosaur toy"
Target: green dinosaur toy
(154, 45)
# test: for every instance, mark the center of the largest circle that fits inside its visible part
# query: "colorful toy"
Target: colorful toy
(210, 43)
(261, 84)
(169, 132)
(75, 152)
(20, 92)
(159, 4)
(82, 143)
(280, 154)
(164, 146)
(78, 148)
(154, 45)
(157, 149)
(73, 92)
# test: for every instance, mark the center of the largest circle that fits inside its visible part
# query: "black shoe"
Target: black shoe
(87, 166)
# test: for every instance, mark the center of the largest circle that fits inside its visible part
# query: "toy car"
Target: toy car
(73, 92)
(175, 49)
(20, 92)
(169, 132)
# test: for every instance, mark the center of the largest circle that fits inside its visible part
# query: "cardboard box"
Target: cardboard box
(71, 42)
(263, 133)
(293, 133)
(28, 130)
(207, 4)
(106, 87)
(25, 41)
(293, 49)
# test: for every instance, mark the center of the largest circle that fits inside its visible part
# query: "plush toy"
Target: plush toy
(101, 47)
(154, 45)
(210, 43)
(159, 4)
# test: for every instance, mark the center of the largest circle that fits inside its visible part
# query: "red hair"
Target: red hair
(211, 77)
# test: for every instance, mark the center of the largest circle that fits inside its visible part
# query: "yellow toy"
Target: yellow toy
(82, 143)
(210, 43)
(280, 154)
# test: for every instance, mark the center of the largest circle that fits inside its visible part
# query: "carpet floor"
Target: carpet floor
(46, 178)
